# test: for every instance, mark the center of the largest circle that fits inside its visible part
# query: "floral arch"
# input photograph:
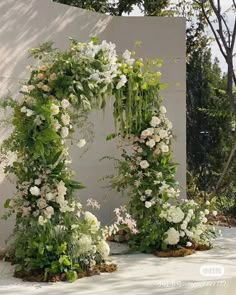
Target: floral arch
(53, 233)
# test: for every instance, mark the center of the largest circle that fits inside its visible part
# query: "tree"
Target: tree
(120, 7)
(225, 38)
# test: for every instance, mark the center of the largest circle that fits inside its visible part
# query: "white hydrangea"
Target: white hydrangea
(91, 219)
(104, 249)
(174, 214)
(148, 204)
(173, 236)
(85, 244)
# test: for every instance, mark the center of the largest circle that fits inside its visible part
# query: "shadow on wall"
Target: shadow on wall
(26, 23)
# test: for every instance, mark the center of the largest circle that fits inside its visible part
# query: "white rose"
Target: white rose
(163, 133)
(65, 119)
(144, 164)
(157, 138)
(189, 244)
(155, 121)
(206, 211)
(56, 125)
(81, 143)
(104, 249)
(151, 143)
(38, 181)
(49, 196)
(214, 213)
(162, 109)
(61, 188)
(65, 103)
(35, 191)
(64, 132)
(182, 234)
(164, 148)
(49, 211)
(54, 109)
(148, 204)
(41, 203)
(172, 236)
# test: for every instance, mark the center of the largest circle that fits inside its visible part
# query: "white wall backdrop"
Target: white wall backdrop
(26, 23)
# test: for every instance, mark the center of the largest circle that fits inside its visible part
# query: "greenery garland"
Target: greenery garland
(53, 233)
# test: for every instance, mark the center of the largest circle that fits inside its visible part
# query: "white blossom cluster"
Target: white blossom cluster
(188, 222)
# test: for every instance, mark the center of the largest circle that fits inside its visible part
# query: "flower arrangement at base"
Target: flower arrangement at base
(147, 173)
(54, 236)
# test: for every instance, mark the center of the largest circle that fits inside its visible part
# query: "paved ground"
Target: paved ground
(141, 274)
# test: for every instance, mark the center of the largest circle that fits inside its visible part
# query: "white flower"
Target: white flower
(65, 119)
(147, 132)
(142, 198)
(182, 234)
(35, 191)
(41, 220)
(157, 138)
(85, 244)
(24, 88)
(175, 214)
(46, 88)
(172, 236)
(122, 82)
(64, 132)
(29, 113)
(144, 164)
(155, 121)
(148, 192)
(41, 203)
(163, 133)
(56, 125)
(169, 125)
(189, 244)
(126, 54)
(54, 109)
(164, 148)
(183, 225)
(204, 220)
(104, 249)
(38, 181)
(206, 211)
(49, 211)
(190, 212)
(52, 77)
(148, 204)
(208, 203)
(65, 103)
(50, 196)
(61, 188)
(162, 109)
(214, 213)
(151, 143)
(81, 143)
